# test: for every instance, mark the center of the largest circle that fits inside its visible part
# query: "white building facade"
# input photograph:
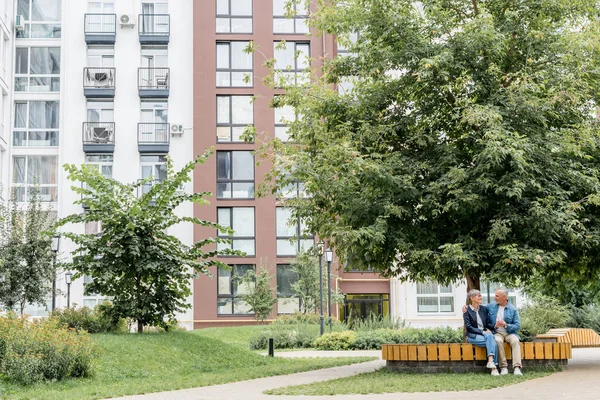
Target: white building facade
(6, 84)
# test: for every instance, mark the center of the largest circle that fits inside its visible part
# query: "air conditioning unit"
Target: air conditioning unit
(176, 130)
(19, 23)
(127, 20)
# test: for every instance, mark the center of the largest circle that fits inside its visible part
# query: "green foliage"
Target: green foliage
(100, 319)
(585, 317)
(259, 294)
(344, 340)
(539, 315)
(144, 270)
(26, 269)
(373, 322)
(306, 287)
(468, 146)
(43, 350)
(285, 336)
(298, 318)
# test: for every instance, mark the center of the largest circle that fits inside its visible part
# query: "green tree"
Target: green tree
(145, 271)
(258, 293)
(468, 146)
(26, 269)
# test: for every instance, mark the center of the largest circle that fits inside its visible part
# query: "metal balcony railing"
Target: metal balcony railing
(154, 28)
(154, 78)
(99, 137)
(153, 137)
(100, 28)
(95, 78)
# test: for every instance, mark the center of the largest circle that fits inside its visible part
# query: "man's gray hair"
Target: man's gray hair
(503, 290)
(472, 293)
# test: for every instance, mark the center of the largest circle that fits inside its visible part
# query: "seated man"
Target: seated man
(507, 323)
(480, 329)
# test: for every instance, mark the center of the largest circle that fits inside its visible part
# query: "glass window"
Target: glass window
(234, 16)
(293, 20)
(40, 171)
(36, 124)
(291, 238)
(37, 69)
(101, 56)
(291, 62)
(241, 220)
(235, 175)
(154, 167)
(287, 301)
(42, 18)
(104, 162)
(346, 84)
(434, 298)
(230, 288)
(490, 287)
(234, 66)
(283, 117)
(234, 114)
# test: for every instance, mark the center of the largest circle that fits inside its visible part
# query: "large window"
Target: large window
(36, 123)
(346, 84)
(241, 220)
(294, 23)
(234, 66)
(434, 298)
(287, 301)
(230, 288)
(101, 6)
(234, 16)
(291, 62)
(40, 171)
(283, 117)
(490, 287)
(42, 18)
(37, 69)
(104, 163)
(154, 167)
(234, 114)
(291, 238)
(101, 56)
(235, 175)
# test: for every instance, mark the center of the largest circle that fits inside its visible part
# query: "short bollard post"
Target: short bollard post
(271, 347)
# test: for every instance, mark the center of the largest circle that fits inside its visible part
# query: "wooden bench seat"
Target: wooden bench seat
(578, 337)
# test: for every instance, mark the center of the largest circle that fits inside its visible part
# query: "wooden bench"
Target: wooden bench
(462, 357)
(578, 337)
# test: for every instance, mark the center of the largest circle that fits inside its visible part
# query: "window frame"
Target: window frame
(298, 238)
(230, 17)
(233, 237)
(231, 125)
(27, 185)
(27, 130)
(297, 20)
(438, 295)
(286, 297)
(230, 179)
(233, 294)
(29, 22)
(230, 70)
(54, 77)
(297, 69)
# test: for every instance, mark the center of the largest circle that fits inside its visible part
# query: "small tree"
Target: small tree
(146, 272)
(260, 296)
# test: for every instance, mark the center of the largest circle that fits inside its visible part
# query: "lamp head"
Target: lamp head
(55, 243)
(329, 255)
(68, 276)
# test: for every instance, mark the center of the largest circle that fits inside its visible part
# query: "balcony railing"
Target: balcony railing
(154, 82)
(99, 137)
(154, 28)
(100, 28)
(153, 137)
(99, 82)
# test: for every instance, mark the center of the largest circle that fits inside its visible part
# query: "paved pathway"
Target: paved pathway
(581, 381)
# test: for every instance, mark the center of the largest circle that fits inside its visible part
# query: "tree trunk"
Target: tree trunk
(140, 328)
(473, 281)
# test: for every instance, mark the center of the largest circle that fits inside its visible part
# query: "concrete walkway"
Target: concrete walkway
(581, 381)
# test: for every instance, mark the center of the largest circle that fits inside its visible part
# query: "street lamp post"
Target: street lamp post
(320, 246)
(54, 246)
(68, 276)
(329, 258)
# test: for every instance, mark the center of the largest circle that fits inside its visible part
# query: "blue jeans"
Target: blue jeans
(487, 341)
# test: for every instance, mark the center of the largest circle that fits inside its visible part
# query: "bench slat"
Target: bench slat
(412, 353)
(404, 352)
(443, 352)
(422, 353)
(539, 350)
(432, 352)
(467, 352)
(455, 352)
(548, 351)
(529, 351)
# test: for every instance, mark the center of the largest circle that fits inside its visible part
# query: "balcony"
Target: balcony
(99, 137)
(100, 28)
(154, 28)
(99, 83)
(153, 137)
(154, 82)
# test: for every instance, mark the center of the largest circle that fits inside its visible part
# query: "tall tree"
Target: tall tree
(468, 146)
(258, 293)
(145, 271)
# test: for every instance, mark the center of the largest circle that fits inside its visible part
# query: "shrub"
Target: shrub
(373, 322)
(100, 319)
(285, 337)
(372, 340)
(585, 317)
(541, 314)
(336, 341)
(298, 318)
(43, 350)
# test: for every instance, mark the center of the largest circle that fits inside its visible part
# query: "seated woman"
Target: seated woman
(480, 329)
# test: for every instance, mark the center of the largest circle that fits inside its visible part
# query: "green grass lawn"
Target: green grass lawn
(234, 335)
(383, 381)
(133, 364)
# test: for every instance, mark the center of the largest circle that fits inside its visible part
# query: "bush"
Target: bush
(101, 319)
(298, 318)
(285, 337)
(541, 314)
(336, 341)
(43, 350)
(374, 322)
(372, 340)
(585, 317)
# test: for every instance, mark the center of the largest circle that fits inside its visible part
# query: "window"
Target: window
(346, 84)
(101, 7)
(241, 220)
(234, 114)
(283, 116)
(283, 23)
(154, 126)
(234, 66)
(154, 167)
(235, 175)
(104, 162)
(37, 69)
(36, 123)
(42, 18)
(291, 238)
(292, 190)
(434, 298)
(291, 62)
(229, 290)
(100, 111)
(101, 56)
(29, 171)
(155, 57)
(234, 16)
(155, 7)
(287, 301)
(490, 287)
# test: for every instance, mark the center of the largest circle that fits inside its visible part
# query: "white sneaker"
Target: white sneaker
(490, 365)
(504, 371)
(517, 371)
(495, 372)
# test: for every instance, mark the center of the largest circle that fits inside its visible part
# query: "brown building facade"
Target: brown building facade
(225, 102)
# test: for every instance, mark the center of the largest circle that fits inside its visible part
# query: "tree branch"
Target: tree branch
(475, 8)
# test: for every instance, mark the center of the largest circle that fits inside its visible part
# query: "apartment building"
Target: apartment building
(6, 85)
